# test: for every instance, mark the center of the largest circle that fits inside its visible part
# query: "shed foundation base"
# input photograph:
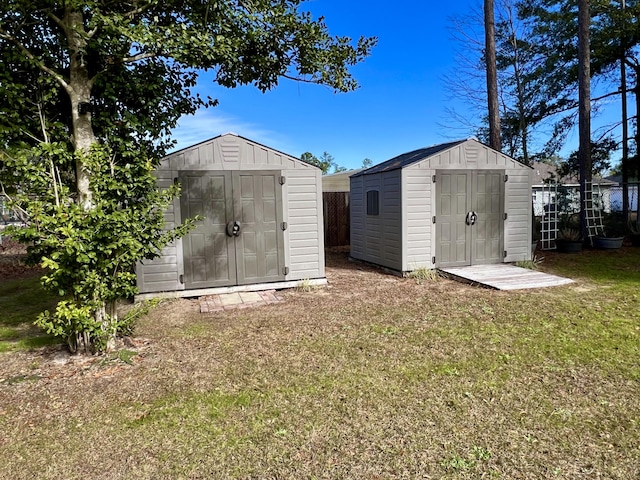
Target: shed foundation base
(237, 288)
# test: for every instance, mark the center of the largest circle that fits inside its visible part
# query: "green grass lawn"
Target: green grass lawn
(21, 300)
(371, 377)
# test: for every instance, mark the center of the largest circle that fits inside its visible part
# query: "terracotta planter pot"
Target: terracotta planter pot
(568, 246)
(608, 243)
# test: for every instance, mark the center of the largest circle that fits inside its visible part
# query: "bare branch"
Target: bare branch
(137, 58)
(43, 124)
(30, 135)
(606, 95)
(607, 131)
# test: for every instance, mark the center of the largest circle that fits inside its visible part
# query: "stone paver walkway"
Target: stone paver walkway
(231, 301)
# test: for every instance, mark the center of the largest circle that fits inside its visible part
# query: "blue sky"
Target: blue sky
(400, 105)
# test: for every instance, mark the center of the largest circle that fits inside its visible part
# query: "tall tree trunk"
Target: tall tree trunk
(80, 85)
(79, 90)
(522, 114)
(625, 143)
(492, 75)
(584, 111)
(625, 126)
(634, 166)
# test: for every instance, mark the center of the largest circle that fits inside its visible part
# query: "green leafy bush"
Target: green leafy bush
(89, 255)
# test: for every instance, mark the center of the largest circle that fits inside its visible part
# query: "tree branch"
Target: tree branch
(33, 58)
(57, 20)
(138, 57)
(137, 11)
(606, 95)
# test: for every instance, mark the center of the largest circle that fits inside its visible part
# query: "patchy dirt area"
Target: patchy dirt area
(350, 285)
(12, 263)
(372, 376)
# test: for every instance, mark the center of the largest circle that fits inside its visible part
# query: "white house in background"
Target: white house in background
(7, 216)
(545, 193)
(616, 193)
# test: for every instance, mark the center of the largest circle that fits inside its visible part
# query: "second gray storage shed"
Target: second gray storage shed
(455, 204)
(262, 221)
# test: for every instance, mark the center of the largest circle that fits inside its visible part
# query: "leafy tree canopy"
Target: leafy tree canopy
(600, 157)
(89, 94)
(325, 163)
(135, 62)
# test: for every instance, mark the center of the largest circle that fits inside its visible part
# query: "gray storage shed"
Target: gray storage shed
(338, 182)
(455, 204)
(262, 225)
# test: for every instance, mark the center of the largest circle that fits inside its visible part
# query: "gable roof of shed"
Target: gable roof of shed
(232, 134)
(409, 158)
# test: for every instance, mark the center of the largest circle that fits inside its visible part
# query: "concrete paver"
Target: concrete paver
(238, 300)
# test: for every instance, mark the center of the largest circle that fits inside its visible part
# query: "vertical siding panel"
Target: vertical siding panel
(517, 231)
(206, 154)
(391, 220)
(305, 225)
(162, 273)
(357, 226)
(373, 227)
(419, 213)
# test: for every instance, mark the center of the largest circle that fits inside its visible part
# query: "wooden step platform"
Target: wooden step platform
(504, 277)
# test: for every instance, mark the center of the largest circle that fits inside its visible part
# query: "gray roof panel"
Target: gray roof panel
(408, 158)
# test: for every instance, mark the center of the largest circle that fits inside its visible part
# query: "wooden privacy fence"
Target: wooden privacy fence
(336, 218)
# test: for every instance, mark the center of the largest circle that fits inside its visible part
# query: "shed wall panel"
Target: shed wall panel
(305, 233)
(391, 220)
(357, 206)
(418, 186)
(335, 184)
(231, 152)
(377, 238)
(518, 232)
(372, 224)
(163, 272)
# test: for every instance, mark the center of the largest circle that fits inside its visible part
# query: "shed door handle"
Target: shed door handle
(233, 229)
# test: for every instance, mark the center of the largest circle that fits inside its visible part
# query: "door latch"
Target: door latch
(472, 218)
(233, 229)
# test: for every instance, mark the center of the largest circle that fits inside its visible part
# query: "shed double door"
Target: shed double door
(469, 217)
(239, 239)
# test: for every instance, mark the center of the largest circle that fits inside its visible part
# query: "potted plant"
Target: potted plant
(569, 240)
(607, 242)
